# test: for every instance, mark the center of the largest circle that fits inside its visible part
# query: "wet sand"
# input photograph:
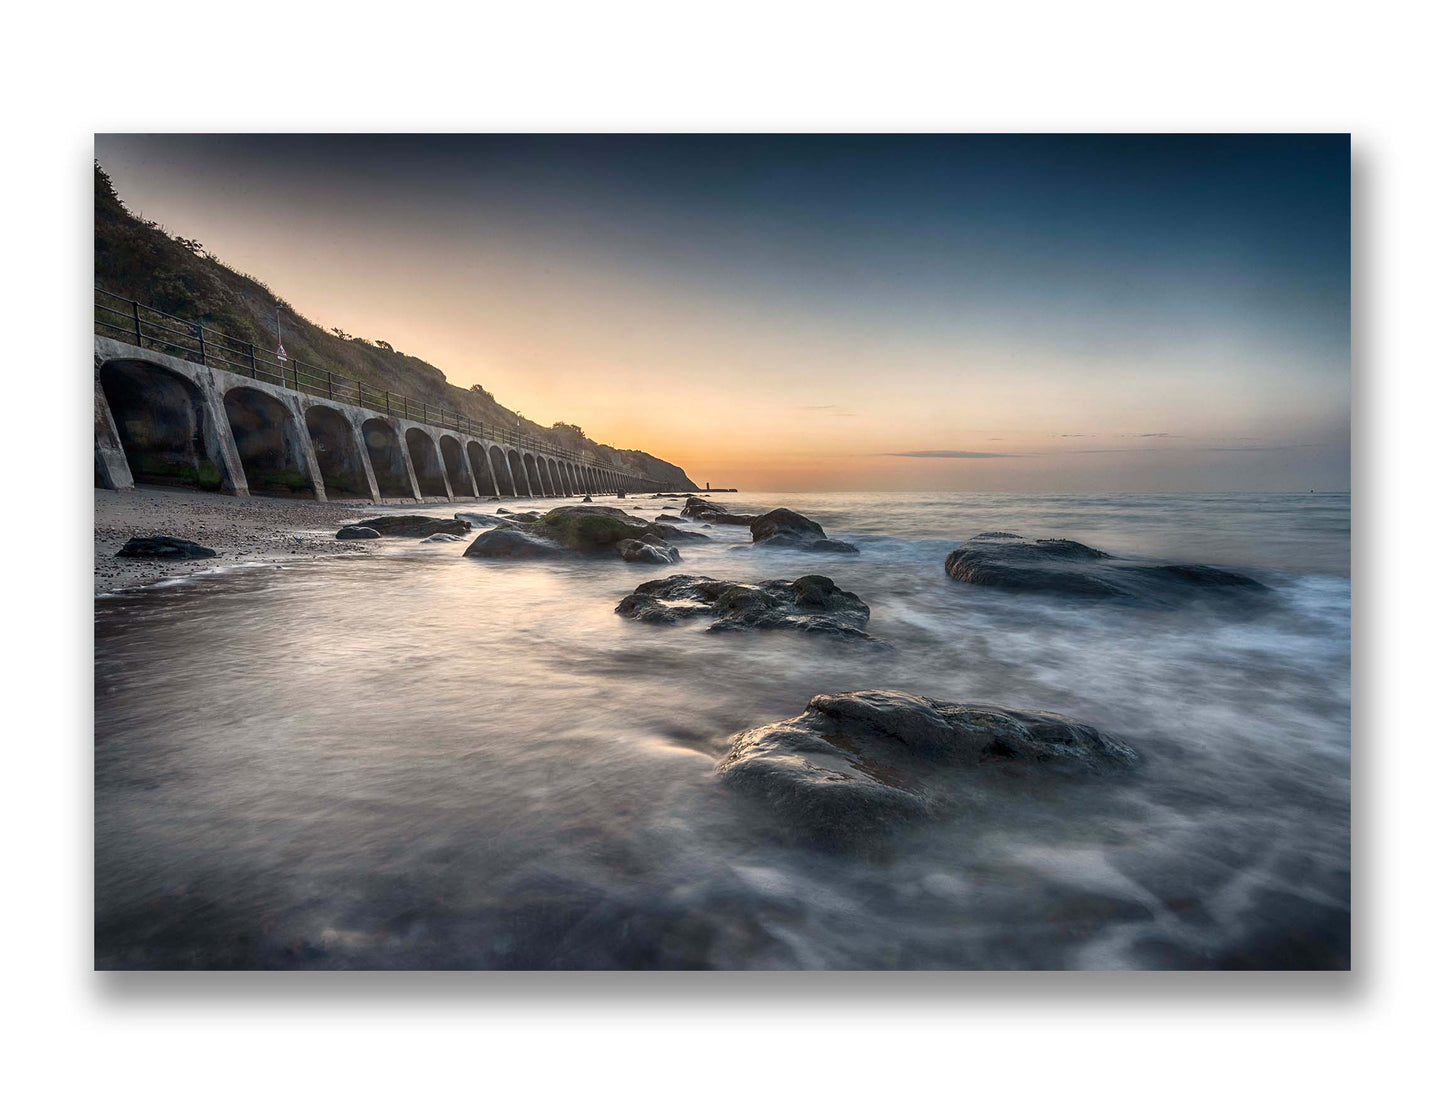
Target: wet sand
(241, 530)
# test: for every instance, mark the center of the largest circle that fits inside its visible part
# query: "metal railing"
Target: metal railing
(149, 328)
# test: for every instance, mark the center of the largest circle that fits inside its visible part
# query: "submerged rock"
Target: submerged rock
(579, 530)
(809, 604)
(165, 548)
(415, 525)
(1007, 561)
(586, 498)
(869, 759)
(441, 538)
(357, 532)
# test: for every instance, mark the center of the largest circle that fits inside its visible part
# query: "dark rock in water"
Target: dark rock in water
(512, 543)
(580, 530)
(867, 760)
(522, 516)
(634, 551)
(797, 544)
(1064, 567)
(495, 498)
(787, 523)
(165, 548)
(478, 521)
(503, 510)
(441, 538)
(810, 604)
(415, 525)
(586, 498)
(788, 529)
(703, 510)
(357, 532)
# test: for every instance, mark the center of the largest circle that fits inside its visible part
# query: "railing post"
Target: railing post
(201, 337)
(135, 314)
(329, 392)
(388, 401)
(252, 347)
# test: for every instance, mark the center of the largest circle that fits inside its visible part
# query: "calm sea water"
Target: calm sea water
(414, 759)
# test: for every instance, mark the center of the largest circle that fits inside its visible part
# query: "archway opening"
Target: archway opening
(486, 487)
(387, 462)
(426, 462)
(332, 439)
(161, 419)
(503, 474)
(268, 443)
(519, 474)
(458, 473)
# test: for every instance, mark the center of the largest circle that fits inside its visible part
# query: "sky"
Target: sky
(828, 312)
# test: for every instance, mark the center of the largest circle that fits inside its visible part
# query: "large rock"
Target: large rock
(788, 529)
(415, 525)
(165, 548)
(579, 530)
(872, 758)
(1007, 561)
(512, 543)
(789, 523)
(810, 604)
(356, 532)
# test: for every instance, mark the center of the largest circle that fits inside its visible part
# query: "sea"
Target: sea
(417, 760)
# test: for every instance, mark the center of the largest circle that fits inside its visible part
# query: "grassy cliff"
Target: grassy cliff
(139, 260)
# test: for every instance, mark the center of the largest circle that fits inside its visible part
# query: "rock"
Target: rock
(441, 538)
(586, 498)
(788, 523)
(809, 604)
(512, 543)
(357, 532)
(415, 525)
(790, 530)
(479, 521)
(165, 548)
(634, 551)
(870, 759)
(1009, 562)
(583, 530)
(703, 510)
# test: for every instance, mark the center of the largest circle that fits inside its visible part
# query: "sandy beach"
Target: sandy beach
(241, 530)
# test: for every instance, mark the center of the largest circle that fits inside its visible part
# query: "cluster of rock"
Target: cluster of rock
(1008, 561)
(810, 604)
(581, 531)
(866, 760)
